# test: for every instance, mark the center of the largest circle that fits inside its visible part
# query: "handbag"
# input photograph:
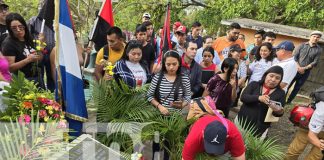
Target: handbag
(200, 106)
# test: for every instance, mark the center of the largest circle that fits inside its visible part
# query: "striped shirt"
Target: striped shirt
(167, 93)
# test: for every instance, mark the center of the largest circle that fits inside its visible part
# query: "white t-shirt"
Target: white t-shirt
(316, 123)
(138, 72)
(289, 67)
(259, 67)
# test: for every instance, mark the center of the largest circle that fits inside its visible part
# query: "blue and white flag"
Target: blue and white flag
(72, 84)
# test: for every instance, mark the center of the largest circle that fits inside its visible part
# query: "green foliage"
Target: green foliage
(258, 148)
(126, 108)
(300, 13)
(33, 141)
(27, 10)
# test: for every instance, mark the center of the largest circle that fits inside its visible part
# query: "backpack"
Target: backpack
(318, 95)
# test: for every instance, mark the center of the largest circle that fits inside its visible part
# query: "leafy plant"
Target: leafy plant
(32, 141)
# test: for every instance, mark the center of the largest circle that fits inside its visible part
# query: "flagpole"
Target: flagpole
(57, 54)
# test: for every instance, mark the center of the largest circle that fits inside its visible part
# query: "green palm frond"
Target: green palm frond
(33, 141)
(258, 148)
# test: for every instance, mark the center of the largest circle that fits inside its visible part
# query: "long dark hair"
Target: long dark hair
(17, 17)
(178, 81)
(271, 55)
(273, 69)
(230, 64)
(132, 44)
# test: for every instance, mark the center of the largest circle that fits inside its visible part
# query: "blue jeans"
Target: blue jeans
(300, 79)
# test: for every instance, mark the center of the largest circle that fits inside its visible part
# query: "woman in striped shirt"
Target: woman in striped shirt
(170, 89)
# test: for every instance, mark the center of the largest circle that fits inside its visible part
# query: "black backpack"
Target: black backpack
(318, 95)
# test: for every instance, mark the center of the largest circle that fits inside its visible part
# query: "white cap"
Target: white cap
(147, 15)
(317, 33)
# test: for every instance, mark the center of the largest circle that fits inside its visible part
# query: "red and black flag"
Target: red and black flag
(165, 43)
(47, 13)
(103, 22)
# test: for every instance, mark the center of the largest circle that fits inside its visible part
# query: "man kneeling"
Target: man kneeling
(215, 136)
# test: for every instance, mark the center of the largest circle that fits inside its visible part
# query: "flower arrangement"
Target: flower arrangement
(25, 101)
(108, 67)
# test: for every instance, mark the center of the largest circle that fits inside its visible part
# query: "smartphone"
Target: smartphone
(275, 105)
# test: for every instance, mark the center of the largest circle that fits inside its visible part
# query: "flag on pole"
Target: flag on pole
(47, 13)
(72, 84)
(165, 43)
(103, 22)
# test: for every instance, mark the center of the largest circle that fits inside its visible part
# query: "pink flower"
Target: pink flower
(56, 115)
(27, 118)
(42, 113)
(61, 124)
(24, 119)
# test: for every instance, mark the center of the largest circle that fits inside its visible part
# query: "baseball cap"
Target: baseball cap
(215, 135)
(317, 33)
(286, 45)
(181, 29)
(177, 24)
(147, 15)
(2, 3)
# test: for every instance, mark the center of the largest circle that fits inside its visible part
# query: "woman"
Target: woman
(130, 68)
(170, 89)
(264, 59)
(235, 52)
(222, 87)
(19, 50)
(207, 66)
(4, 69)
(257, 96)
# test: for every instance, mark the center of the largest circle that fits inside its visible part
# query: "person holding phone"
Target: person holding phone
(257, 97)
(222, 87)
(170, 89)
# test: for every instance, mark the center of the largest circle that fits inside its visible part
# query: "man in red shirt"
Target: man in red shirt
(214, 136)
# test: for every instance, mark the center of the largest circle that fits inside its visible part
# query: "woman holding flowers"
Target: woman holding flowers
(130, 68)
(19, 49)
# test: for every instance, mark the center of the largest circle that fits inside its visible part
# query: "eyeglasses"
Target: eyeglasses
(4, 9)
(15, 28)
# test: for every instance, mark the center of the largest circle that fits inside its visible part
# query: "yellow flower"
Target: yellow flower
(62, 116)
(49, 108)
(42, 96)
(29, 96)
(46, 118)
(50, 112)
(41, 128)
(38, 48)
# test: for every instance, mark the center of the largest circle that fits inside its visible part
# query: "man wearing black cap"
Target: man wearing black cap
(286, 61)
(4, 11)
(214, 136)
(307, 56)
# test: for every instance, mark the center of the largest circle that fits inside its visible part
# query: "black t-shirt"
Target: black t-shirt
(3, 33)
(148, 55)
(12, 47)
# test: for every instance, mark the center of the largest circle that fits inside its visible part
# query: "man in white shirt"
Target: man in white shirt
(286, 61)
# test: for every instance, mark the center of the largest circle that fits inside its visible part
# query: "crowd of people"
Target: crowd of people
(259, 75)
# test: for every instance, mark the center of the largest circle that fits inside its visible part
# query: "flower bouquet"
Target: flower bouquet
(107, 67)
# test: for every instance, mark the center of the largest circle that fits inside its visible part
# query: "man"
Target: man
(181, 35)
(146, 17)
(111, 52)
(230, 39)
(307, 55)
(214, 136)
(195, 34)
(149, 32)
(257, 42)
(287, 62)
(4, 11)
(314, 135)
(148, 53)
(192, 68)
(175, 27)
(207, 42)
(269, 37)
